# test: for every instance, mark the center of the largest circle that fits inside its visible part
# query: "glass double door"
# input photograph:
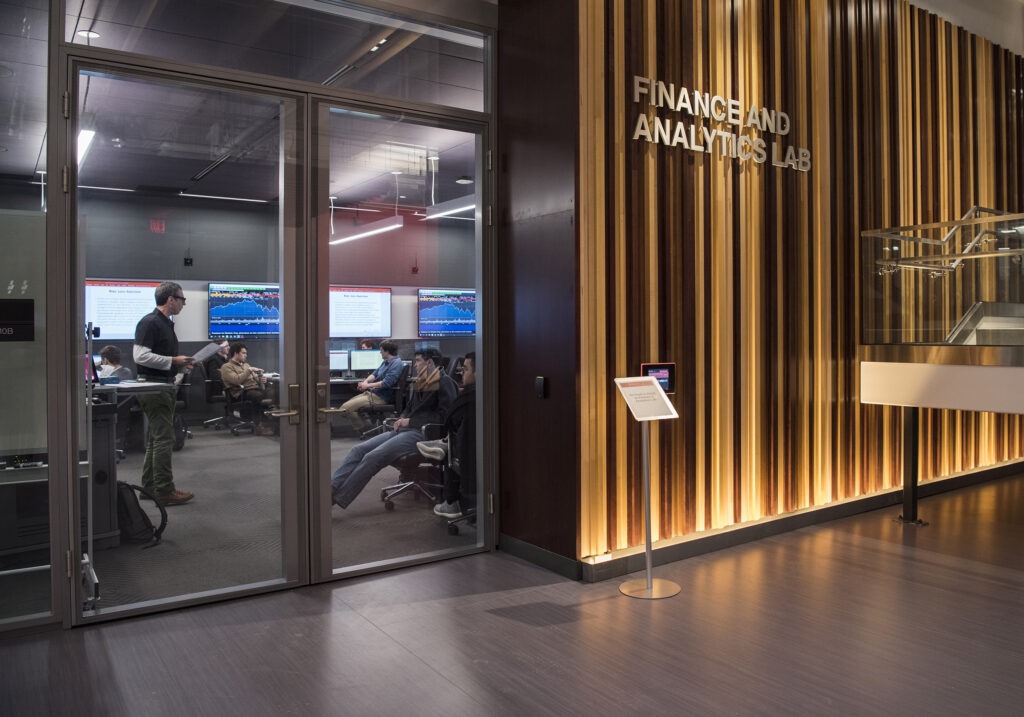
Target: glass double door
(274, 250)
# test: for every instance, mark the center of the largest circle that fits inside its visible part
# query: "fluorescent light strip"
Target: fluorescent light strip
(452, 206)
(230, 199)
(105, 189)
(458, 37)
(372, 228)
(85, 138)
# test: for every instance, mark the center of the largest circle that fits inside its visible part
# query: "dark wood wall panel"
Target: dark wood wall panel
(748, 275)
(538, 286)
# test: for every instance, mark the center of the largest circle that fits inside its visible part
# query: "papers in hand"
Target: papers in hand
(206, 352)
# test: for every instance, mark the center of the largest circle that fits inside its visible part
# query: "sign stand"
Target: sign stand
(648, 402)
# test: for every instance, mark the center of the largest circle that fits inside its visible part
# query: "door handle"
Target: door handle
(293, 414)
(323, 409)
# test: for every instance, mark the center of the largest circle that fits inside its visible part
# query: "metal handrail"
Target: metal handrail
(969, 218)
(941, 264)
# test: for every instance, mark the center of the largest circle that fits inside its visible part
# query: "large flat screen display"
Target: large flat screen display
(447, 312)
(244, 311)
(116, 306)
(360, 312)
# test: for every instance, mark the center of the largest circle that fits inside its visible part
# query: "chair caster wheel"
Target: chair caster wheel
(453, 530)
(389, 505)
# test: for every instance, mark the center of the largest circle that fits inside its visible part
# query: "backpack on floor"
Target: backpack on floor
(133, 521)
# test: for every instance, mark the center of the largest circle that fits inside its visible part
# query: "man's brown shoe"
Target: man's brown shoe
(177, 497)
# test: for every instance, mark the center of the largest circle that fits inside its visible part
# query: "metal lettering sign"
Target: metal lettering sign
(716, 125)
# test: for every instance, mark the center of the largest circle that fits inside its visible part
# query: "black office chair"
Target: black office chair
(241, 413)
(455, 369)
(380, 413)
(182, 403)
(213, 390)
(422, 476)
(237, 414)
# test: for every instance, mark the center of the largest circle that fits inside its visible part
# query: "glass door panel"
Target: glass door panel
(399, 238)
(186, 229)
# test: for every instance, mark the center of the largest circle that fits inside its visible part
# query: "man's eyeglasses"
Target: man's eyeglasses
(180, 298)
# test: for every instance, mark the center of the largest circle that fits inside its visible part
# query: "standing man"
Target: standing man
(156, 359)
(377, 389)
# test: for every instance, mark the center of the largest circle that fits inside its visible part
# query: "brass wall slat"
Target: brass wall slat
(593, 330)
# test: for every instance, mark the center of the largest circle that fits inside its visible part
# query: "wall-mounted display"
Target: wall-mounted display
(359, 312)
(244, 311)
(115, 306)
(446, 312)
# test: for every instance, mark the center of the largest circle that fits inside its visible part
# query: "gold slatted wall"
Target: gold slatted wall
(747, 275)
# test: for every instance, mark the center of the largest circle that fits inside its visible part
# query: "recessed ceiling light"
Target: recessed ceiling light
(464, 180)
(88, 34)
(395, 172)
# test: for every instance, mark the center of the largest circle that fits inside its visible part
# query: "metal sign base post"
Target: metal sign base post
(650, 588)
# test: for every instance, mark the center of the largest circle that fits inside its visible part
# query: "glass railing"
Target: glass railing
(957, 283)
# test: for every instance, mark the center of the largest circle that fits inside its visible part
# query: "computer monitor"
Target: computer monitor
(364, 359)
(338, 361)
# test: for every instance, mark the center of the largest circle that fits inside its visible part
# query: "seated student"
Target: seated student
(460, 428)
(214, 363)
(432, 394)
(110, 364)
(245, 383)
(377, 389)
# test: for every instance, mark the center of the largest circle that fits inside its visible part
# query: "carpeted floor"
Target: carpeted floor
(230, 535)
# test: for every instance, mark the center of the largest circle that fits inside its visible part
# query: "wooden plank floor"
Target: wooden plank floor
(861, 616)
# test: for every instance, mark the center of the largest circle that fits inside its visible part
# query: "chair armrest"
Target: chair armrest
(433, 431)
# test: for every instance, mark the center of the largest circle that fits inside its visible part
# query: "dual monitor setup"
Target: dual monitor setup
(359, 362)
(252, 311)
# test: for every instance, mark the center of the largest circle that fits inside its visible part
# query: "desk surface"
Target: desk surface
(133, 387)
(336, 380)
